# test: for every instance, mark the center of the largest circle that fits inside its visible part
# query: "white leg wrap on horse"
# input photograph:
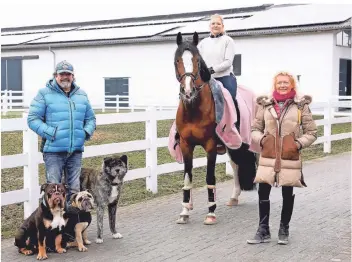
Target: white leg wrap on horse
(211, 204)
(189, 205)
(187, 182)
(236, 191)
(185, 212)
(211, 215)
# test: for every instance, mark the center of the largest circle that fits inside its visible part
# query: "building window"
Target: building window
(237, 62)
(11, 74)
(11, 77)
(117, 86)
(343, 38)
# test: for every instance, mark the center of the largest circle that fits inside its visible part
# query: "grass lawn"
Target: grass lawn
(134, 191)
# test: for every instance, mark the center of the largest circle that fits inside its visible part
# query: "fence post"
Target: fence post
(152, 152)
(117, 103)
(131, 104)
(327, 127)
(31, 171)
(4, 103)
(10, 99)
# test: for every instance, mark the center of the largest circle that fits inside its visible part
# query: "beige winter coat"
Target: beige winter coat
(280, 162)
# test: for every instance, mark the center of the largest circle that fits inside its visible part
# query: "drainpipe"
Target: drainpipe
(54, 57)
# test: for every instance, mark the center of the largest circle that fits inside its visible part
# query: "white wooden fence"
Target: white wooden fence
(9, 103)
(9, 100)
(31, 158)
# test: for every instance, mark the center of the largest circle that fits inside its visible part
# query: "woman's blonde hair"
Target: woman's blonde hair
(214, 16)
(290, 76)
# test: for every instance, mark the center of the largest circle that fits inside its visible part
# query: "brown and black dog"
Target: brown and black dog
(46, 221)
(79, 219)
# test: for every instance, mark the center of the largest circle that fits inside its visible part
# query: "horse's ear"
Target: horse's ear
(195, 38)
(179, 38)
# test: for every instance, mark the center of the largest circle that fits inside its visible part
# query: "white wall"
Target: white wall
(149, 66)
(308, 55)
(152, 75)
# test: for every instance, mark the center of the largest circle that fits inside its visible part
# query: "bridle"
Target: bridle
(193, 77)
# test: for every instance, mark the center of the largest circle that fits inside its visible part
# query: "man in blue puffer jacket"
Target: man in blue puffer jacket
(62, 115)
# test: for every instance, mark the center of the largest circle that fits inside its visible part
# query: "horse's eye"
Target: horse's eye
(177, 61)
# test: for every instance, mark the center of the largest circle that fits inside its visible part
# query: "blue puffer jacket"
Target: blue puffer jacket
(64, 122)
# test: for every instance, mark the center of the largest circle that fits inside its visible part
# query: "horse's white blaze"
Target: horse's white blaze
(188, 64)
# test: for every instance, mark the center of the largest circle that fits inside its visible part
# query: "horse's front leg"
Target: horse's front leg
(187, 203)
(210, 148)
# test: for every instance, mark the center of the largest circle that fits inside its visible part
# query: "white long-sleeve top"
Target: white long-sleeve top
(218, 53)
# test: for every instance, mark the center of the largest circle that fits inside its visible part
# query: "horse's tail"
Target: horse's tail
(247, 166)
(247, 169)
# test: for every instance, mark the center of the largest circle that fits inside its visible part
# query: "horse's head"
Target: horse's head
(191, 70)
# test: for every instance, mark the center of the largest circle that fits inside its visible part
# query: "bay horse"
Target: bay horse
(196, 123)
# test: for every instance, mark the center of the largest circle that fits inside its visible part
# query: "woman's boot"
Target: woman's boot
(286, 213)
(263, 232)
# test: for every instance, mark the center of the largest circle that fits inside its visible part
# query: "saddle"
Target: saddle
(221, 148)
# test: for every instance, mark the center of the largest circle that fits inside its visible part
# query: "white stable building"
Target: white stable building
(134, 56)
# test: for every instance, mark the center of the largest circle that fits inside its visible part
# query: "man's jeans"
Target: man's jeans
(56, 163)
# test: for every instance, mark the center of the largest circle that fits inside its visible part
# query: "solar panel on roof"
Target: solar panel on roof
(293, 16)
(105, 34)
(37, 31)
(19, 39)
(150, 22)
(278, 17)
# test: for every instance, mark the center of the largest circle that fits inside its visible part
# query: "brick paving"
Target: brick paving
(320, 228)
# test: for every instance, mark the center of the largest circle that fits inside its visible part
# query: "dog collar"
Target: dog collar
(114, 184)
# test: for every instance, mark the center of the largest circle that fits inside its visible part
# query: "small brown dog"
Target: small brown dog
(79, 219)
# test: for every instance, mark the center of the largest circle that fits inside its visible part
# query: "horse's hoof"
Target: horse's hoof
(210, 220)
(183, 220)
(117, 236)
(232, 202)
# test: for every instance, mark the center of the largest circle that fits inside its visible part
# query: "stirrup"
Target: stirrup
(220, 149)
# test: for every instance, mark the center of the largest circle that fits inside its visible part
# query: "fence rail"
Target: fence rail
(10, 102)
(31, 158)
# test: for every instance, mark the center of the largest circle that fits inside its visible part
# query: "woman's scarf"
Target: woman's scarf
(282, 100)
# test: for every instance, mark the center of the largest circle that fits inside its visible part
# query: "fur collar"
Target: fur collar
(299, 100)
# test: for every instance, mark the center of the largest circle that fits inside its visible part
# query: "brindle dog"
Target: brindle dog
(106, 186)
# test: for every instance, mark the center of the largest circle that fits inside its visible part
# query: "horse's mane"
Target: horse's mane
(204, 71)
(187, 45)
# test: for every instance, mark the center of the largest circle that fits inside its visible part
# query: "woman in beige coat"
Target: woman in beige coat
(276, 128)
